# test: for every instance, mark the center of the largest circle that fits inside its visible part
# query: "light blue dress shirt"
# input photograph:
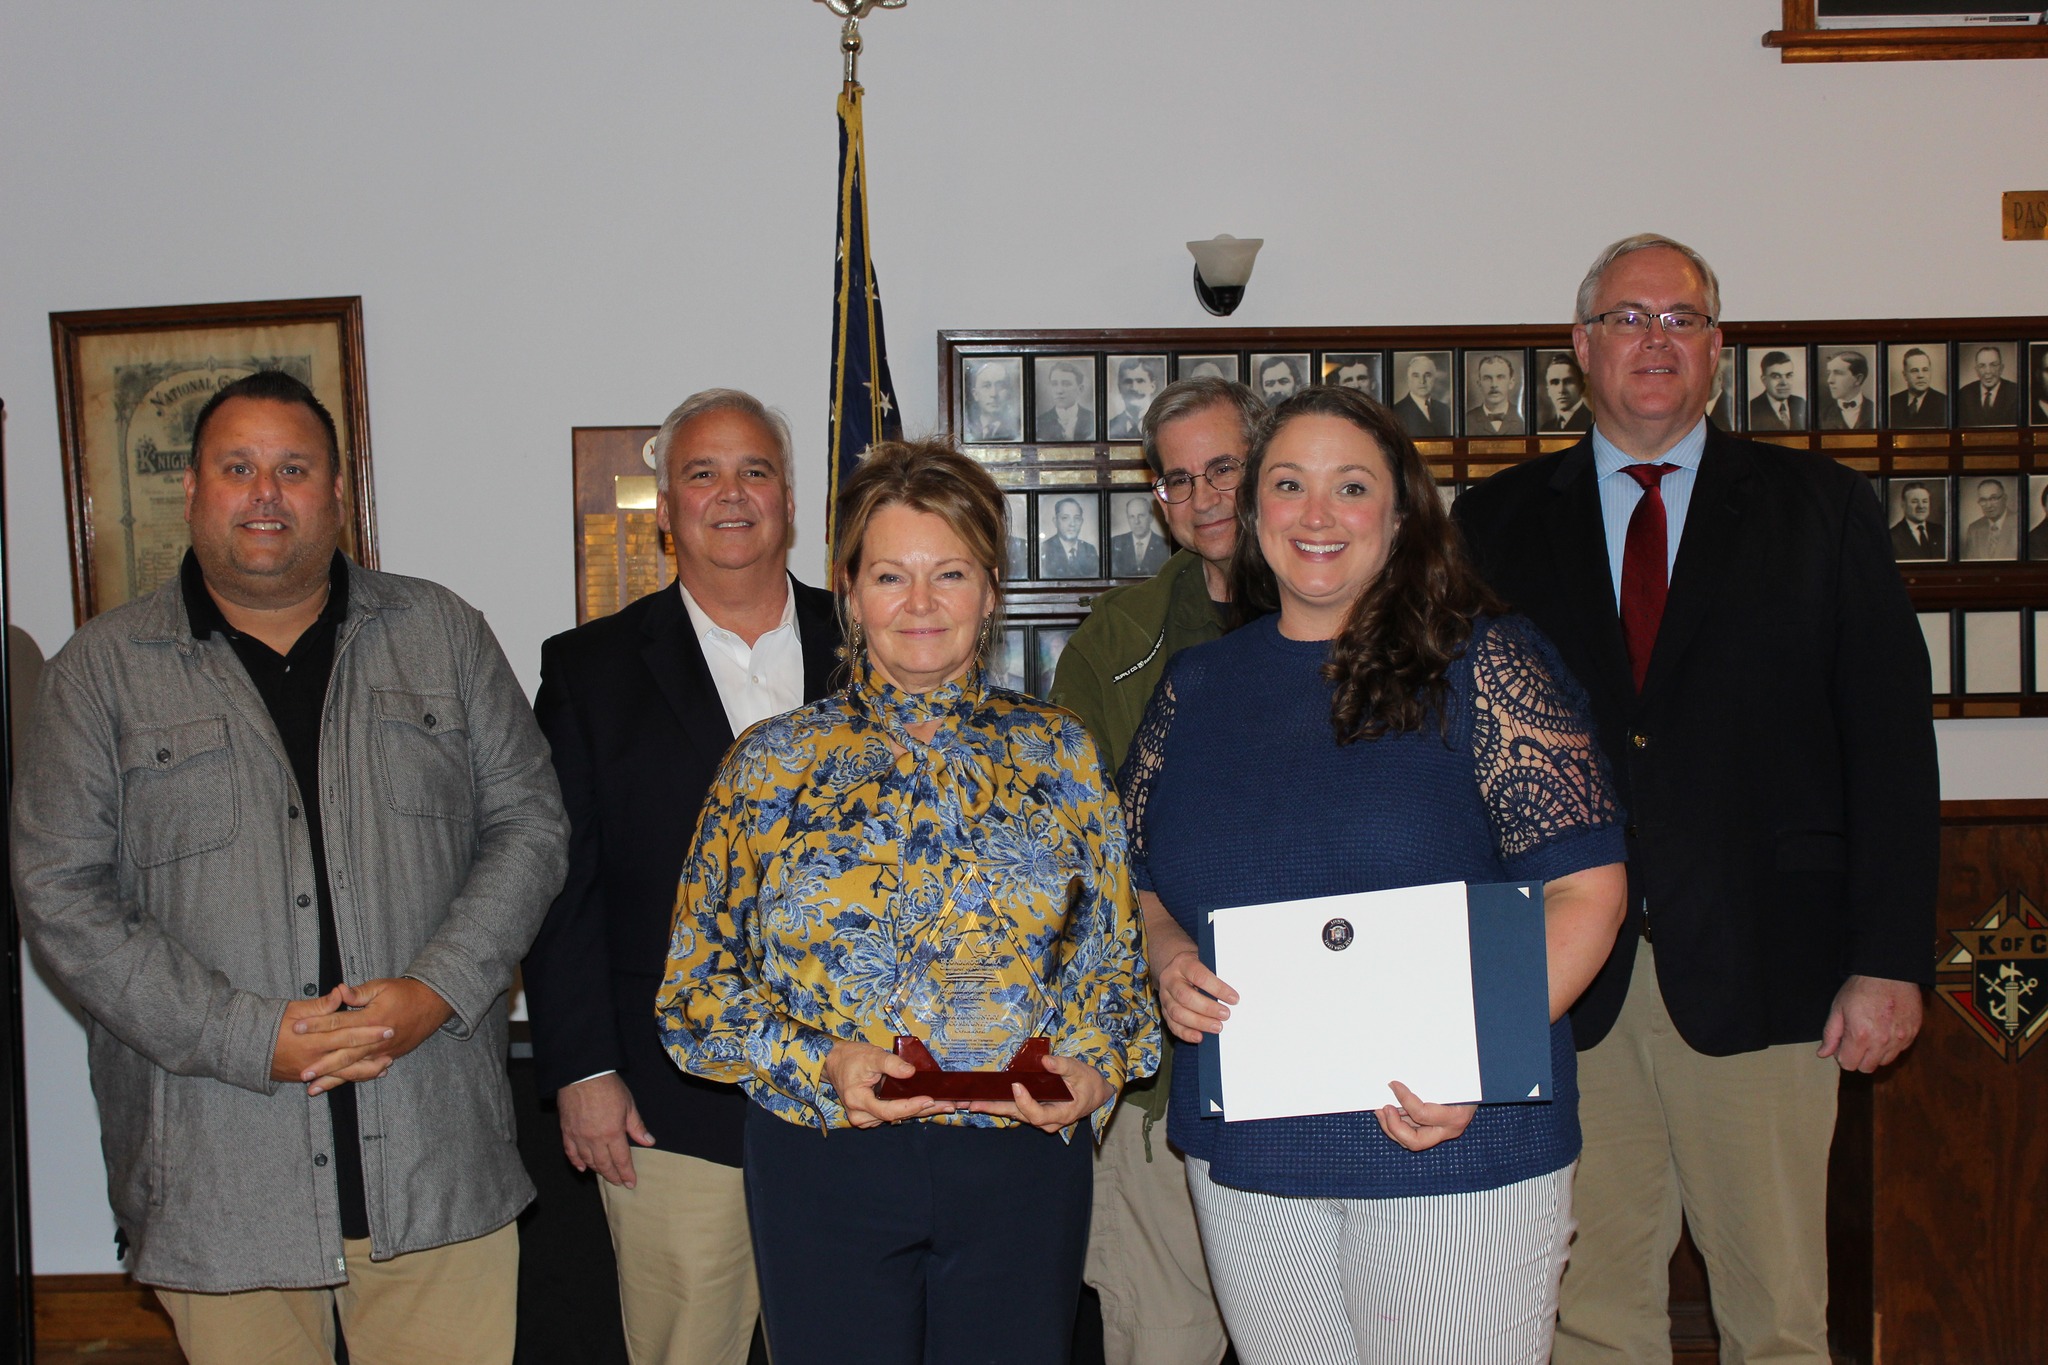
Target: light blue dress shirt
(1619, 495)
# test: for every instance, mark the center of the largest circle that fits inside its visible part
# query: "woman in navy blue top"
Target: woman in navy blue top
(1381, 724)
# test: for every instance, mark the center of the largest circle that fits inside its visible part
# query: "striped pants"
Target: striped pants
(1448, 1279)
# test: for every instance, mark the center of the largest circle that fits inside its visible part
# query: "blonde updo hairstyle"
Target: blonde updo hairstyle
(928, 476)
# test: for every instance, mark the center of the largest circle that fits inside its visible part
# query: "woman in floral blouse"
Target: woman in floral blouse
(839, 843)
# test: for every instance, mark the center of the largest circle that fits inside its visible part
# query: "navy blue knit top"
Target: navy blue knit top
(1236, 792)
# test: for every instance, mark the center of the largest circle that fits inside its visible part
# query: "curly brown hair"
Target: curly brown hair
(1388, 665)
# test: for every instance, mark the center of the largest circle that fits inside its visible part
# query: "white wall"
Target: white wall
(573, 215)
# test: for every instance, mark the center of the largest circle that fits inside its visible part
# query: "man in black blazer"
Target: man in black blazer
(1777, 408)
(1420, 412)
(1994, 400)
(1919, 403)
(1768, 730)
(639, 708)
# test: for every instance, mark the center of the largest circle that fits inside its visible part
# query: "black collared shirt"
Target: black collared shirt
(294, 690)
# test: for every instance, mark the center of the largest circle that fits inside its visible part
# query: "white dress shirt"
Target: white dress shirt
(754, 681)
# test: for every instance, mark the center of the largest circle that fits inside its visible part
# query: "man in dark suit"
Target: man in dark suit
(1919, 404)
(1777, 408)
(1419, 411)
(1137, 380)
(1564, 395)
(1138, 551)
(1994, 400)
(1066, 417)
(2041, 384)
(639, 708)
(1759, 687)
(1498, 411)
(1916, 535)
(1063, 554)
(2037, 538)
(1847, 406)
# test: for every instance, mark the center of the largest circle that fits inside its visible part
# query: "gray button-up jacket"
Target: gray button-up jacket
(164, 876)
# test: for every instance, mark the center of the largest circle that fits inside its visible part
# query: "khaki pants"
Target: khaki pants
(1738, 1146)
(453, 1305)
(687, 1292)
(1145, 1254)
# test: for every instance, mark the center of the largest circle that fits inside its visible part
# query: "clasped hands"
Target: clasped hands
(855, 1068)
(354, 1033)
(1195, 1001)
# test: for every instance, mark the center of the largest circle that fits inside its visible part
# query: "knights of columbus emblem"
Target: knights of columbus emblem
(1993, 976)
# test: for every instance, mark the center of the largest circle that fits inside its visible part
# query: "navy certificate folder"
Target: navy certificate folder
(1510, 997)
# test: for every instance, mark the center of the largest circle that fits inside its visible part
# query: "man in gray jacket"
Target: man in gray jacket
(283, 828)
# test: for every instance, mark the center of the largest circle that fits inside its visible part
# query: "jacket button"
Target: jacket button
(304, 900)
(320, 1158)
(292, 812)
(311, 989)
(1640, 740)
(1630, 829)
(163, 755)
(430, 720)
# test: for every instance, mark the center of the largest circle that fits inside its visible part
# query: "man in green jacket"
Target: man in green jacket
(1144, 1252)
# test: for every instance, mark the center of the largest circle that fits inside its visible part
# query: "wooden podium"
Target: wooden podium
(1938, 1187)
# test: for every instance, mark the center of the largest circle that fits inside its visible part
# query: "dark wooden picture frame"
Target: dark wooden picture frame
(1803, 40)
(1946, 453)
(127, 376)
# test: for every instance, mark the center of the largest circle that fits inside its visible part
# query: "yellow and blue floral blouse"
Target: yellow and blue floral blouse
(823, 858)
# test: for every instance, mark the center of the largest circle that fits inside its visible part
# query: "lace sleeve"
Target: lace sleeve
(1539, 767)
(1141, 768)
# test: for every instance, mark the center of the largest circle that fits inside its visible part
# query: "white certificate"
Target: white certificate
(1340, 995)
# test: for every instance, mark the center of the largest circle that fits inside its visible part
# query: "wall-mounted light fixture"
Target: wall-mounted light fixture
(1223, 265)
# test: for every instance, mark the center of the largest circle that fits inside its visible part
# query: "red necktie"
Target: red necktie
(1644, 573)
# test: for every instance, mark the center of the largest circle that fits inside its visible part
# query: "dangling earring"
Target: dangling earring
(857, 642)
(986, 641)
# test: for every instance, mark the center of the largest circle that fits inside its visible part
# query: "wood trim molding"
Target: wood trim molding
(1801, 41)
(74, 1310)
(2013, 812)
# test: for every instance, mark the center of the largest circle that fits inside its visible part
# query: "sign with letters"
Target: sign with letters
(1993, 975)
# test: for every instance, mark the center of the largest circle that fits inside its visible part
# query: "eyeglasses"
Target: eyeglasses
(1223, 475)
(1631, 322)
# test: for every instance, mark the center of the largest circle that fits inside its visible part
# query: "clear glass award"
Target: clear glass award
(970, 1022)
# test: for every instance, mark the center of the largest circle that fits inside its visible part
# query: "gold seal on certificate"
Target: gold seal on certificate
(963, 1014)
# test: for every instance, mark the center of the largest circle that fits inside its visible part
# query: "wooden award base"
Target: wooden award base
(1027, 1069)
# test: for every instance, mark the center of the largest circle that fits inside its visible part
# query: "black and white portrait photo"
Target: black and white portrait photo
(1006, 668)
(1845, 401)
(1777, 388)
(1721, 402)
(1561, 394)
(1069, 535)
(1206, 367)
(1066, 399)
(1133, 381)
(2037, 530)
(1494, 394)
(1049, 643)
(2037, 378)
(1279, 377)
(1987, 390)
(1989, 510)
(1917, 380)
(1423, 379)
(1354, 370)
(1017, 553)
(1918, 512)
(989, 386)
(1137, 542)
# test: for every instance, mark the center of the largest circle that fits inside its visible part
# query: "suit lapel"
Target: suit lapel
(1712, 521)
(1578, 542)
(676, 661)
(817, 624)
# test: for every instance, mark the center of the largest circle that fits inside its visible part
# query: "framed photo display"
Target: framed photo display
(1961, 488)
(131, 381)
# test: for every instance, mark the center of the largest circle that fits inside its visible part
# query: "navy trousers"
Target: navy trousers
(917, 1243)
